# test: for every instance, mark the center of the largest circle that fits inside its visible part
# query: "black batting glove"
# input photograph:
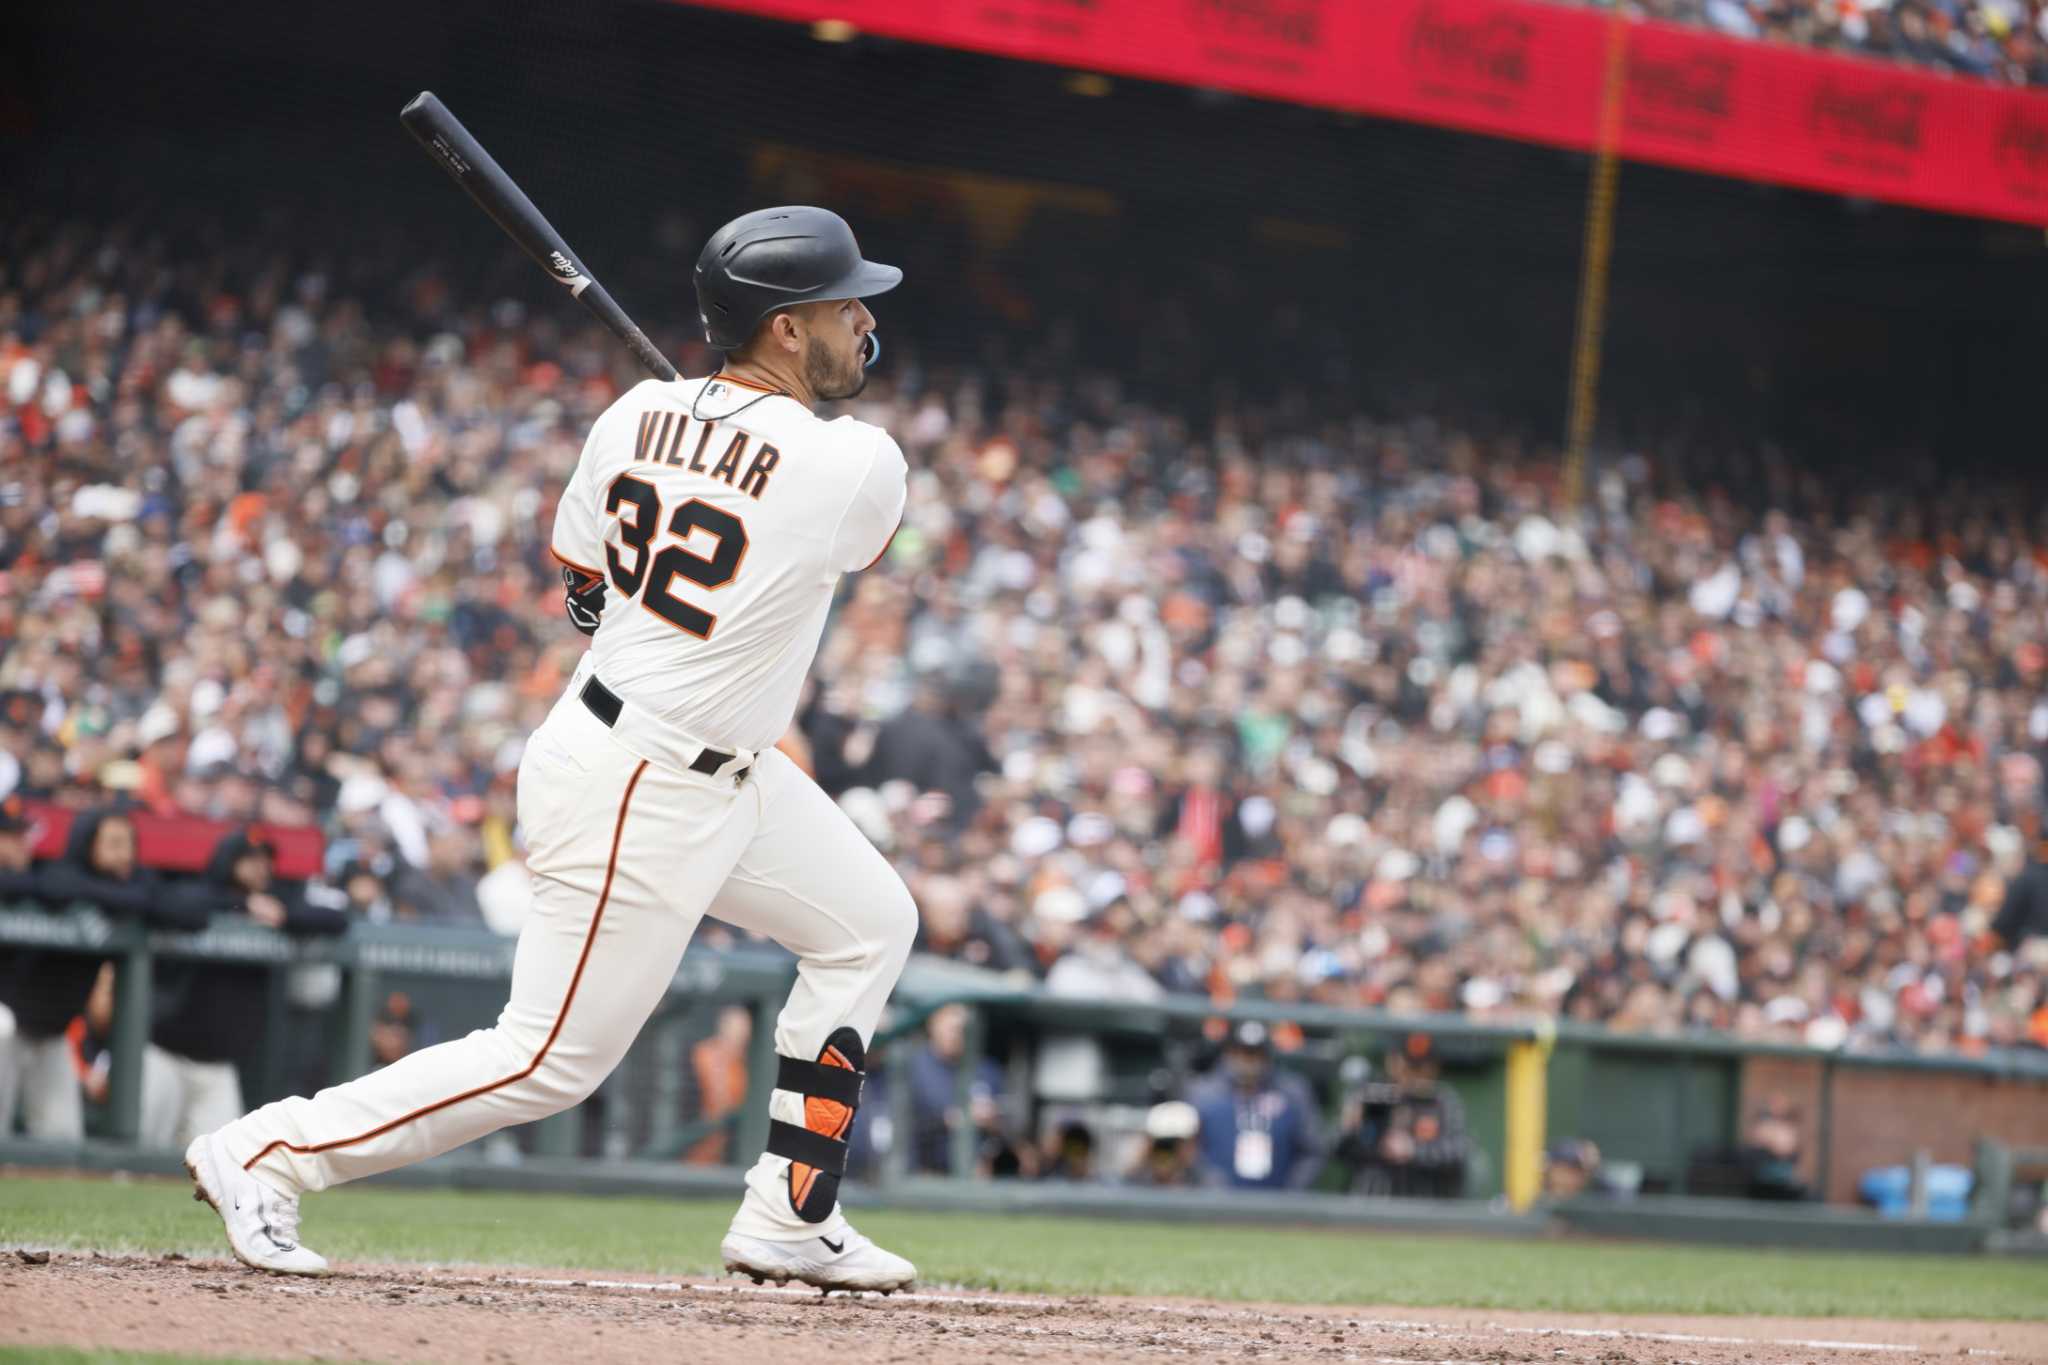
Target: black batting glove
(583, 596)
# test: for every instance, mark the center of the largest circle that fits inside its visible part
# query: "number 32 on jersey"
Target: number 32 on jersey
(652, 573)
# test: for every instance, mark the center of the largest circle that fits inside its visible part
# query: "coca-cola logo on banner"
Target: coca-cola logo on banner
(1287, 23)
(1070, 19)
(2021, 151)
(1482, 55)
(1685, 96)
(1882, 117)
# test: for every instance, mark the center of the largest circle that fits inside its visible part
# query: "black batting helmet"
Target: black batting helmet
(773, 258)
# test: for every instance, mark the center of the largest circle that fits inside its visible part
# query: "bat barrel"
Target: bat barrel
(434, 126)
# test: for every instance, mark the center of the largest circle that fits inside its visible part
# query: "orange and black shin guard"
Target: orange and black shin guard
(817, 1151)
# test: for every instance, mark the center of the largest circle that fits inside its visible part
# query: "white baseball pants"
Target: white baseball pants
(628, 849)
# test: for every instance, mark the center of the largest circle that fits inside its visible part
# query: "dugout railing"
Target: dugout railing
(1651, 1103)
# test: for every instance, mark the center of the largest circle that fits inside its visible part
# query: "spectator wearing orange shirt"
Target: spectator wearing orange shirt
(718, 1065)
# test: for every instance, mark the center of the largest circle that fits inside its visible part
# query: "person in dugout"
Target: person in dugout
(1258, 1125)
(1406, 1135)
(34, 1069)
(43, 990)
(208, 1014)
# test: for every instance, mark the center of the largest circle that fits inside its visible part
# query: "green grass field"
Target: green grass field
(1068, 1256)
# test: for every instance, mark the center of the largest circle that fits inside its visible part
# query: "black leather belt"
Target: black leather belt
(605, 705)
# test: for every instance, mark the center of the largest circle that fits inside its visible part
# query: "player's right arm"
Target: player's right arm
(876, 510)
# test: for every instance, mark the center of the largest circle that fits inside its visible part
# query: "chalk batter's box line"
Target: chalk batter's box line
(1433, 1329)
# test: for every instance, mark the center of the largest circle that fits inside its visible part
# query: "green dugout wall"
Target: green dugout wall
(1651, 1101)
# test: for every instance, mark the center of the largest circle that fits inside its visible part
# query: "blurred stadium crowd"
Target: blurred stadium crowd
(1999, 40)
(1351, 710)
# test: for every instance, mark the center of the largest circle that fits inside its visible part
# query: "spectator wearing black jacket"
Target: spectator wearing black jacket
(33, 1064)
(952, 923)
(17, 870)
(211, 1015)
(45, 989)
(935, 745)
(840, 740)
(2024, 912)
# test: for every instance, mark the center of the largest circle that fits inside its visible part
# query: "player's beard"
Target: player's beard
(829, 377)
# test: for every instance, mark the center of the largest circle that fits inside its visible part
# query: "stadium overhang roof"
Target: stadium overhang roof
(1556, 74)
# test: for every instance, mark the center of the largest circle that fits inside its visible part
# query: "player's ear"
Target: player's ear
(782, 329)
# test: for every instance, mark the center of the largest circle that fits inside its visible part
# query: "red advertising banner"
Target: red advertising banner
(1536, 71)
(181, 843)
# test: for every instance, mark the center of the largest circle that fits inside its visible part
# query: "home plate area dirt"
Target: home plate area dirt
(492, 1315)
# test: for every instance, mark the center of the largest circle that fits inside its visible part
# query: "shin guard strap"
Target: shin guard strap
(801, 1144)
(815, 1080)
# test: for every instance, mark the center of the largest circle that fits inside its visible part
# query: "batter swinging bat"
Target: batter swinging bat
(482, 179)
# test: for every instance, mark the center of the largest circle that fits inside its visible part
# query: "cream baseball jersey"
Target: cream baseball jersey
(721, 515)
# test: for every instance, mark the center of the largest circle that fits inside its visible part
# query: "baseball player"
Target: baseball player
(702, 536)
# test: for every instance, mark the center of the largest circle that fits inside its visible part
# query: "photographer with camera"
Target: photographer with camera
(1403, 1136)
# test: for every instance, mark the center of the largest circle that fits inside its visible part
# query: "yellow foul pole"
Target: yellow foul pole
(1593, 262)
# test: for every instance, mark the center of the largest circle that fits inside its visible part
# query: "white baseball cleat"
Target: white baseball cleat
(846, 1261)
(262, 1224)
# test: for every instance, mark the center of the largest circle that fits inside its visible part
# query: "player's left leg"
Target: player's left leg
(625, 854)
(810, 880)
